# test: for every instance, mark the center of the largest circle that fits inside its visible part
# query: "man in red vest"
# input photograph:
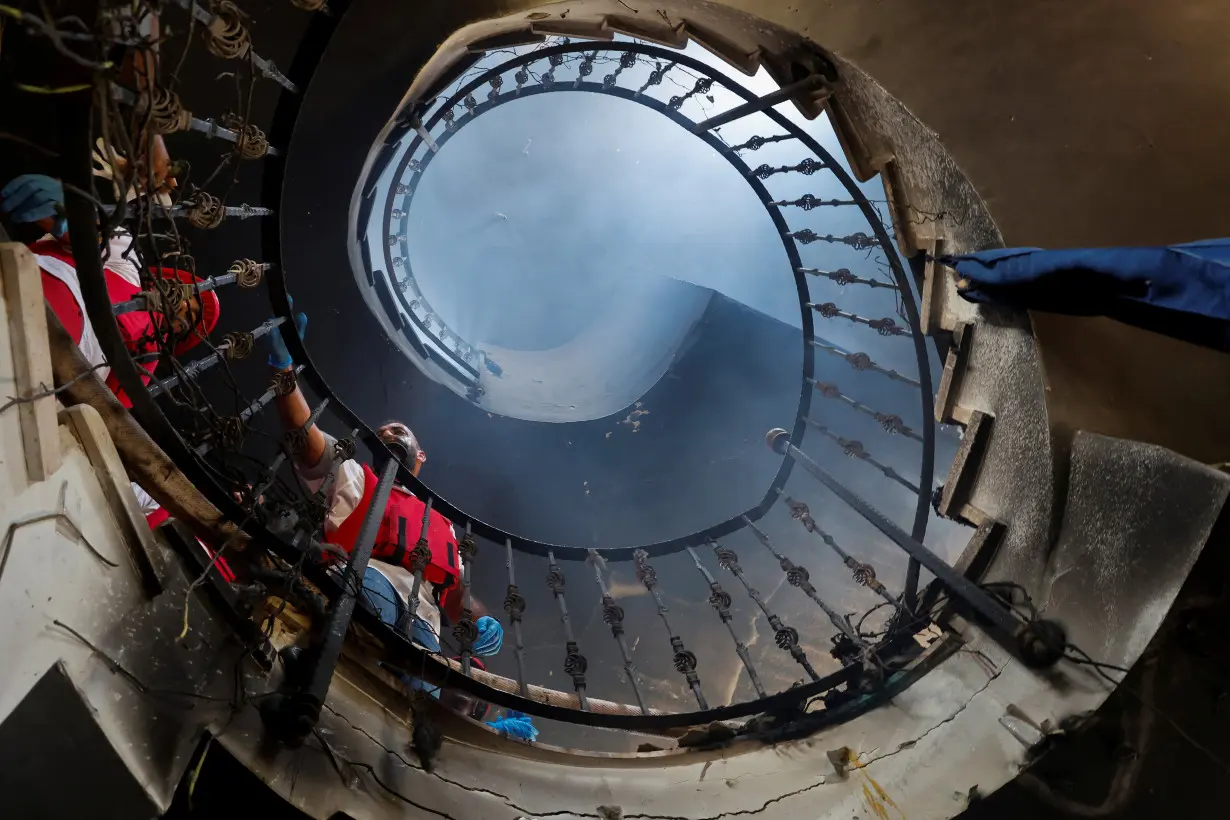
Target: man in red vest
(349, 487)
(34, 199)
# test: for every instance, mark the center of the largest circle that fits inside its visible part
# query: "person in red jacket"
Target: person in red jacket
(38, 199)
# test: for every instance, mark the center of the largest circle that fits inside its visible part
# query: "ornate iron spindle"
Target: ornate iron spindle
(419, 557)
(465, 630)
(574, 662)
(227, 38)
(497, 82)
(809, 201)
(585, 68)
(613, 616)
(626, 60)
(170, 117)
(655, 77)
(758, 142)
(719, 599)
(234, 346)
(807, 167)
(855, 449)
(885, 326)
(343, 450)
(514, 605)
(891, 424)
(521, 78)
(798, 576)
(861, 361)
(702, 86)
(685, 661)
(786, 637)
(296, 439)
(859, 241)
(843, 276)
(234, 426)
(204, 211)
(242, 271)
(547, 80)
(864, 574)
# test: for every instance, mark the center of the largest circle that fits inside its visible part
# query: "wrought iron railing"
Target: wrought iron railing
(214, 447)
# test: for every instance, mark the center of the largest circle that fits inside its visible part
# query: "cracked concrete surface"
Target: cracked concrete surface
(950, 716)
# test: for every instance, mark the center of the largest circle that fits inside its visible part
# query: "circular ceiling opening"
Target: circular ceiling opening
(565, 245)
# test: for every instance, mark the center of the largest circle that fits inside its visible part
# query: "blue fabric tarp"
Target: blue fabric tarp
(1179, 290)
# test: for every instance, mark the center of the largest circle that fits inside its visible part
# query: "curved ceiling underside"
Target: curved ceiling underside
(611, 364)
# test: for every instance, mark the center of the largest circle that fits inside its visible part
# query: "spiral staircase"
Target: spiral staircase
(1082, 498)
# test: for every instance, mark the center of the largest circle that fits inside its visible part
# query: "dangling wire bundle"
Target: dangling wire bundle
(226, 36)
(206, 211)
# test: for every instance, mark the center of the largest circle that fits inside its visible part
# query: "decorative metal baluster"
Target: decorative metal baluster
(497, 82)
(613, 616)
(169, 117)
(864, 574)
(626, 60)
(419, 556)
(226, 37)
(296, 439)
(807, 167)
(204, 211)
(465, 630)
(859, 241)
(809, 201)
(862, 362)
(854, 449)
(798, 576)
(233, 346)
(702, 86)
(585, 68)
(885, 326)
(343, 449)
(294, 445)
(242, 271)
(892, 424)
(233, 427)
(719, 599)
(758, 142)
(685, 661)
(655, 77)
(514, 605)
(841, 276)
(574, 662)
(547, 80)
(786, 637)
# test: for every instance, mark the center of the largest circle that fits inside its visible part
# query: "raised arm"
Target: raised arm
(293, 410)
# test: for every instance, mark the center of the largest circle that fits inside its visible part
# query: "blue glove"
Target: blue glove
(279, 356)
(516, 725)
(490, 637)
(31, 197)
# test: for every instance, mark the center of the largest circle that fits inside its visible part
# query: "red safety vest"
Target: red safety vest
(136, 326)
(405, 510)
